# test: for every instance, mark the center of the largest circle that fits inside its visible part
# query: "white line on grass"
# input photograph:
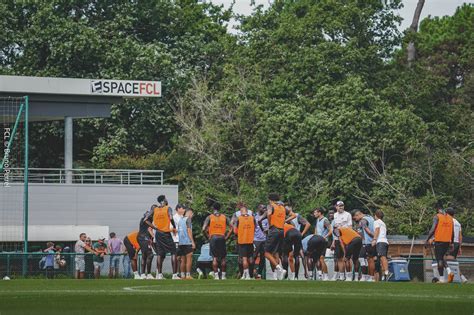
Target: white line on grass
(156, 289)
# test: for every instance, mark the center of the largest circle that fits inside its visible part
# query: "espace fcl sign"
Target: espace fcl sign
(126, 88)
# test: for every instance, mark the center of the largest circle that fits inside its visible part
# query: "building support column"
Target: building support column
(68, 139)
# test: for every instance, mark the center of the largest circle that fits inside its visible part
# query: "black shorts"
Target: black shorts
(454, 252)
(274, 240)
(441, 249)
(183, 250)
(144, 243)
(353, 248)
(203, 265)
(130, 249)
(338, 253)
(217, 246)
(317, 247)
(164, 243)
(245, 250)
(382, 249)
(292, 243)
(259, 248)
(368, 251)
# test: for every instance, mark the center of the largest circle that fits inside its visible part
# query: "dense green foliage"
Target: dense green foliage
(161, 40)
(312, 99)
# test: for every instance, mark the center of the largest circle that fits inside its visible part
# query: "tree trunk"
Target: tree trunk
(411, 50)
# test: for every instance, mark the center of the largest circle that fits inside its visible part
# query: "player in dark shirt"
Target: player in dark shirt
(164, 225)
(277, 215)
(214, 228)
(145, 240)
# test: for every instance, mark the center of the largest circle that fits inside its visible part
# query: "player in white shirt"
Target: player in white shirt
(342, 218)
(380, 242)
(179, 213)
(457, 240)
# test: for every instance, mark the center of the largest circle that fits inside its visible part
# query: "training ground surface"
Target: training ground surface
(231, 297)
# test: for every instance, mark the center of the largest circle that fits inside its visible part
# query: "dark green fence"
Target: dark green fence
(19, 265)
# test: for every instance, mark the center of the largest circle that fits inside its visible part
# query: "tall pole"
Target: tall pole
(68, 139)
(25, 194)
(25, 203)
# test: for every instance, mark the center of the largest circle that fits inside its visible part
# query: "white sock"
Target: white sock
(310, 274)
(386, 272)
(223, 274)
(188, 274)
(448, 270)
(279, 267)
(135, 273)
(337, 274)
(246, 272)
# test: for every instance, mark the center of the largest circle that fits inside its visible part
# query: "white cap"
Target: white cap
(339, 203)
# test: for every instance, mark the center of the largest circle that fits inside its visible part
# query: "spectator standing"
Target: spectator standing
(57, 257)
(114, 247)
(101, 250)
(89, 260)
(79, 248)
(49, 262)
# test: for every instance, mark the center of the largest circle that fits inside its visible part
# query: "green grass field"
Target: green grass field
(231, 297)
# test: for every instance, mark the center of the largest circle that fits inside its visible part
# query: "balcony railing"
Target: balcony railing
(88, 176)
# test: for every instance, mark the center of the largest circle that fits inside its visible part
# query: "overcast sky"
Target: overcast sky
(431, 7)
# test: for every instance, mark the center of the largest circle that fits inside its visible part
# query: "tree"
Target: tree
(161, 40)
(411, 50)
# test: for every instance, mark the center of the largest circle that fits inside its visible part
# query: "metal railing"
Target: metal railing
(88, 176)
